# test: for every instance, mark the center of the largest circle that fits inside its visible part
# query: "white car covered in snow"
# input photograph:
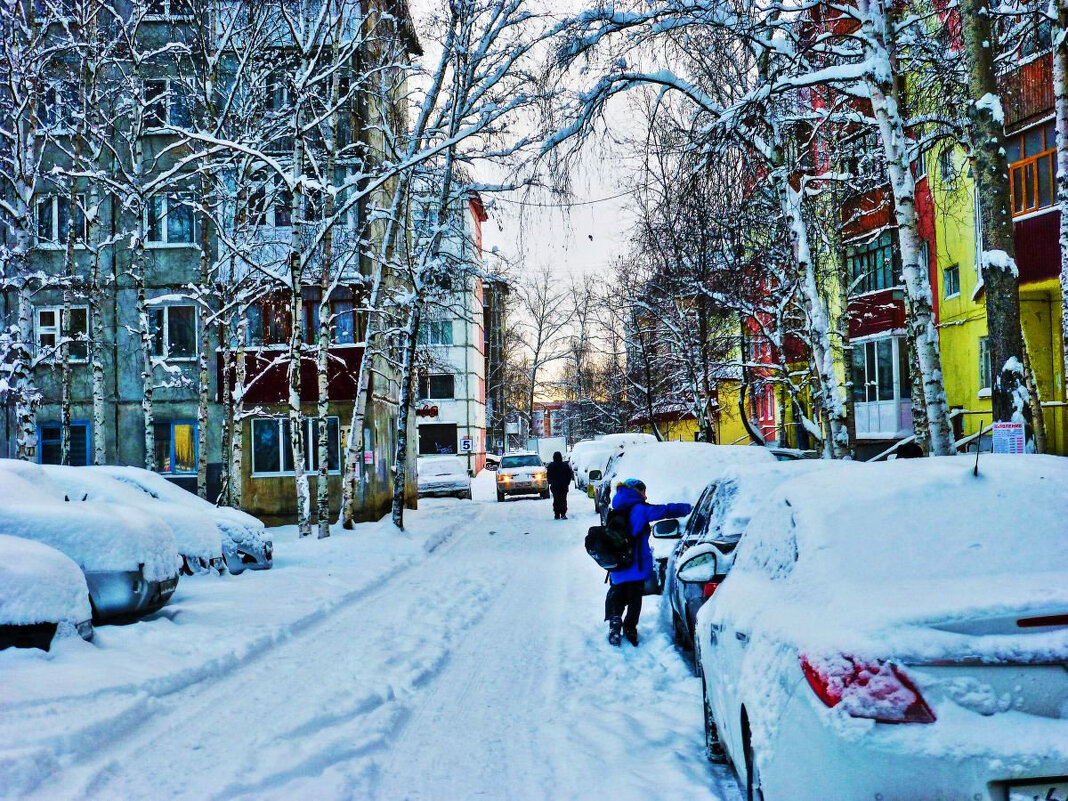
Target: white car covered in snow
(245, 543)
(127, 555)
(587, 456)
(195, 534)
(897, 631)
(443, 476)
(42, 593)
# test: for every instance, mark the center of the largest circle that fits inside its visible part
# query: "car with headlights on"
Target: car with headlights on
(245, 543)
(43, 594)
(896, 630)
(128, 557)
(443, 477)
(521, 474)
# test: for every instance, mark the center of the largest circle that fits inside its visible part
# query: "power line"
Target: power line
(564, 205)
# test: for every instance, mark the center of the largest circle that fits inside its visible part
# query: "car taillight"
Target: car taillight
(709, 589)
(873, 689)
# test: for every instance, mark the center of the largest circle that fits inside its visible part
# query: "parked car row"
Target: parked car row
(890, 630)
(84, 545)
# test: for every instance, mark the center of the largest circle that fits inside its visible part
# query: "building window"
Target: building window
(437, 387)
(344, 324)
(271, 203)
(169, 219)
(49, 328)
(168, 9)
(176, 447)
(863, 158)
(271, 451)
(50, 446)
(951, 281)
(174, 332)
(165, 105)
(1032, 169)
(268, 322)
(986, 374)
(881, 380)
(436, 332)
(54, 220)
(947, 170)
(438, 438)
(919, 166)
(873, 265)
(60, 103)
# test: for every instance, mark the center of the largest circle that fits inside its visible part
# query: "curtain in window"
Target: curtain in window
(185, 448)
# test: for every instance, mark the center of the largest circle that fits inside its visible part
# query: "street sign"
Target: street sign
(466, 446)
(1009, 438)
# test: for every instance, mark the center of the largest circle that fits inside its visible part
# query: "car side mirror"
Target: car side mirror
(699, 569)
(594, 475)
(666, 529)
(491, 466)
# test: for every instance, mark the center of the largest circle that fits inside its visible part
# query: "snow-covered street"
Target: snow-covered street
(466, 659)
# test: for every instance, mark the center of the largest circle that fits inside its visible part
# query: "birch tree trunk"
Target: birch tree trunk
(296, 335)
(97, 295)
(400, 462)
(1060, 88)
(204, 309)
(226, 356)
(878, 37)
(64, 326)
(237, 419)
(26, 398)
(991, 168)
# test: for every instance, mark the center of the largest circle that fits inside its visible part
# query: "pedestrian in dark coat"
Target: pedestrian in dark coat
(628, 585)
(560, 477)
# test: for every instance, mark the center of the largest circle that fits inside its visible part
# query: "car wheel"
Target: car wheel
(713, 747)
(753, 787)
(545, 494)
(466, 496)
(500, 496)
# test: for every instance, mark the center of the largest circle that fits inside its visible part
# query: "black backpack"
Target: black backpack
(611, 545)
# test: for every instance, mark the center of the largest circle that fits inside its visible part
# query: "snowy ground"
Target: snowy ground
(464, 660)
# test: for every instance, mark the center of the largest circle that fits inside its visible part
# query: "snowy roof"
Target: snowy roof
(38, 584)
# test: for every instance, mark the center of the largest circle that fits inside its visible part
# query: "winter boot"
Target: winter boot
(632, 635)
(615, 625)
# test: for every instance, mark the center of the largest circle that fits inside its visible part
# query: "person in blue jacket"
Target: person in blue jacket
(628, 585)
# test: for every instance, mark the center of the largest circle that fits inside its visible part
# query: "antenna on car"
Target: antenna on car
(978, 445)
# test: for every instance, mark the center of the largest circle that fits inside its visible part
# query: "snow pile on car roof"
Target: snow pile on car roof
(745, 490)
(240, 527)
(98, 536)
(680, 471)
(38, 584)
(195, 533)
(594, 457)
(441, 466)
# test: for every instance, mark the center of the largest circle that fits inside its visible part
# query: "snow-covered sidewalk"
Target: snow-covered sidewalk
(370, 666)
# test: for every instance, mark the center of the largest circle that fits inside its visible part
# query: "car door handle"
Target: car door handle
(741, 636)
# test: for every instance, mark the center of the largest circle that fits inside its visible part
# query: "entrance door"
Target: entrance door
(437, 438)
(875, 384)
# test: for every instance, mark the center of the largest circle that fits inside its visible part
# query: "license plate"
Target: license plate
(1044, 791)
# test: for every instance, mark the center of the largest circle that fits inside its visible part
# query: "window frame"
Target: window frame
(955, 270)
(311, 453)
(58, 426)
(986, 382)
(1031, 163)
(865, 253)
(425, 390)
(166, 199)
(427, 335)
(168, 15)
(52, 351)
(54, 199)
(166, 333)
(196, 446)
(167, 98)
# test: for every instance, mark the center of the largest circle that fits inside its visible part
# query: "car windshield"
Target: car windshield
(441, 467)
(531, 460)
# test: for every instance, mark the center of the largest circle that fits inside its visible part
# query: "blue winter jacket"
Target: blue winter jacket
(642, 514)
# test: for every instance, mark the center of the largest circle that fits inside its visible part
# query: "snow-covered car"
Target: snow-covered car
(245, 543)
(195, 534)
(521, 474)
(627, 438)
(42, 593)
(593, 456)
(443, 476)
(718, 519)
(673, 472)
(128, 556)
(897, 630)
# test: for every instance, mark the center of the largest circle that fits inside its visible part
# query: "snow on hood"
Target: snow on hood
(38, 584)
(98, 536)
(892, 552)
(441, 467)
(678, 472)
(240, 527)
(194, 531)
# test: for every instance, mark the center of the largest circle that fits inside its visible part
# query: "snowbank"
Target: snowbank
(98, 536)
(39, 584)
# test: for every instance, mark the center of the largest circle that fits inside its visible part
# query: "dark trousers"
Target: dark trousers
(625, 596)
(560, 501)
